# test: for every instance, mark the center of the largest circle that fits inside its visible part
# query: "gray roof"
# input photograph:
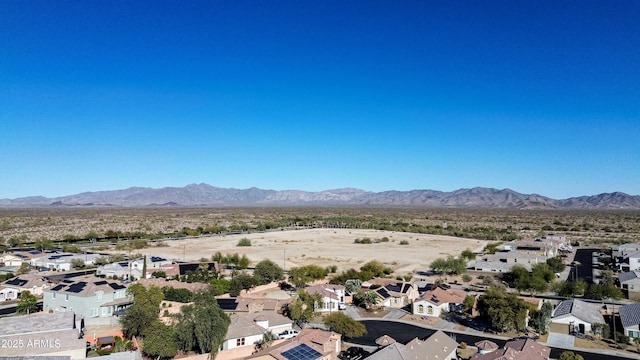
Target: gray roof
(626, 276)
(580, 309)
(630, 315)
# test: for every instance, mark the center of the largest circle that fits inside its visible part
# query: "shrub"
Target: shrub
(244, 242)
(404, 242)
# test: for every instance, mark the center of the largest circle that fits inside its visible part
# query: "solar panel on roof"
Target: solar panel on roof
(77, 287)
(301, 352)
(102, 282)
(116, 286)
(58, 287)
(34, 252)
(17, 282)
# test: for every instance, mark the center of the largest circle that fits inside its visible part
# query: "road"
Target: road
(403, 333)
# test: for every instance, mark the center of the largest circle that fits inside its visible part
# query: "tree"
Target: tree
(267, 271)
(143, 312)
(367, 299)
(23, 269)
(160, 341)
(468, 254)
(28, 303)
(540, 319)
(241, 281)
(376, 268)
(570, 355)
(345, 325)
(302, 308)
(77, 263)
(300, 276)
(202, 326)
(243, 262)
(503, 311)
(556, 264)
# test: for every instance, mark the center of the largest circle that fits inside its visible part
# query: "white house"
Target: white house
(332, 296)
(8, 259)
(121, 269)
(248, 329)
(7, 293)
(438, 301)
(154, 263)
(577, 314)
(438, 346)
(62, 261)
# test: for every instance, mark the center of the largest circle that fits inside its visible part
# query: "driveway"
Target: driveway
(564, 340)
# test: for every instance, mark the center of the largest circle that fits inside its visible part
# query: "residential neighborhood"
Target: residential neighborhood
(264, 323)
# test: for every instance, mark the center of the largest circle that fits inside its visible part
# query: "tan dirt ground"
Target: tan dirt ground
(324, 247)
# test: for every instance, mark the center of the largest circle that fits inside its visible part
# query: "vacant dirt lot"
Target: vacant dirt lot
(324, 247)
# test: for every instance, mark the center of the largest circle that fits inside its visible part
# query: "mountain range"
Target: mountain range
(195, 195)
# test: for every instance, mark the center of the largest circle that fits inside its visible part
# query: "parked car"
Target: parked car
(288, 334)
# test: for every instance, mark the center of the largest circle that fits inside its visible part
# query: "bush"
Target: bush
(244, 242)
(404, 242)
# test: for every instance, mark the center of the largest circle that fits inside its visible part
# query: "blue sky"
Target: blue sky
(540, 97)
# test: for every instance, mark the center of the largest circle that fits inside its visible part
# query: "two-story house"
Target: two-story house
(89, 297)
(332, 296)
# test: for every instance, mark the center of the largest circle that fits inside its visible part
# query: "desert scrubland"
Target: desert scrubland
(322, 236)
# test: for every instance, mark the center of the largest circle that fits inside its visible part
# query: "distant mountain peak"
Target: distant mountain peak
(206, 195)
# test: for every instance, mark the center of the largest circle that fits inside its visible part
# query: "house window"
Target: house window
(240, 342)
(66, 297)
(53, 295)
(94, 312)
(1, 295)
(634, 334)
(420, 308)
(429, 310)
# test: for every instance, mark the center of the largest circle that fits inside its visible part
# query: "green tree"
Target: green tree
(468, 254)
(143, 312)
(202, 326)
(267, 271)
(540, 319)
(160, 341)
(77, 263)
(570, 355)
(28, 303)
(376, 268)
(503, 311)
(556, 264)
(345, 325)
(367, 299)
(303, 308)
(241, 281)
(23, 269)
(300, 276)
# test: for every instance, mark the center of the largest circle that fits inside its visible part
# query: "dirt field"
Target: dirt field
(324, 247)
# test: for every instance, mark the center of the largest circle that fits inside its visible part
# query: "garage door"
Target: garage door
(559, 328)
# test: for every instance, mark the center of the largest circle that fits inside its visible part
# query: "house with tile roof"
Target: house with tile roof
(522, 349)
(333, 296)
(310, 344)
(397, 294)
(248, 329)
(438, 346)
(439, 301)
(89, 297)
(35, 284)
(578, 315)
(630, 318)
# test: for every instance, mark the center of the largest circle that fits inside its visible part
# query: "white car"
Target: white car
(288, 334)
